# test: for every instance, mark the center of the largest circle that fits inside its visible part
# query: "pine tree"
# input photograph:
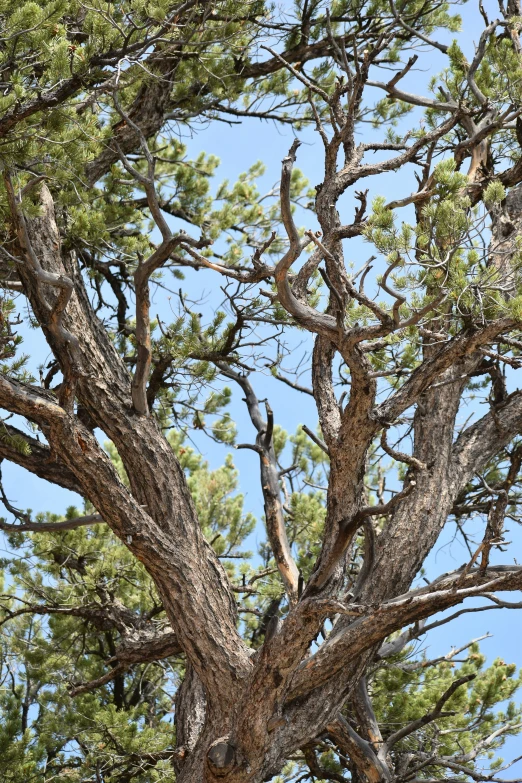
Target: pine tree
(141, 640)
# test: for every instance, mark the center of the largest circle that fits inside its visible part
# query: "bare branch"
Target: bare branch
(400, 456)
(431, 368)
(85, 687)
(305, 315)
(274, 514)
(399, 18)
(479, 55)
(315, 438)
(46, 527)
(359, 750)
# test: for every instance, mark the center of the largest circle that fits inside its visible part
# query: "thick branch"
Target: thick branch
(358, 750)
(39, 460)
(477, 444)
(54, 310)
(365, 632)
(432, 367)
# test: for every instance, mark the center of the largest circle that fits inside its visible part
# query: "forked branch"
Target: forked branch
(274, 514)
(146, 268)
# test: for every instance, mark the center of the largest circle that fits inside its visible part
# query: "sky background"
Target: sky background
(238, 147)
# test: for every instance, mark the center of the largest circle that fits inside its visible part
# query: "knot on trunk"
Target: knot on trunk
(221, 757)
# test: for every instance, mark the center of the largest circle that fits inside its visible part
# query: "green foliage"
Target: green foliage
(17, 442)
(494, 193)
(432, 263)
(42, 657)
(418, 684)
(10, 363)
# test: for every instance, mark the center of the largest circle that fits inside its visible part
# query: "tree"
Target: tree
(134, 606)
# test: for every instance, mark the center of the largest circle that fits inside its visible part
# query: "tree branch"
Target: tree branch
(274, 515)
(430, 716)
(46, 527)
(371, 629)
(37, 459)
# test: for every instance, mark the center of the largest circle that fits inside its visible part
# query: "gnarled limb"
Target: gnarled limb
(157, 481)
(431, 368)
(359, 750)
(38, 460)
(374, 626)
(274, 516)
(476, 444)
(53, 308)
(303, 313)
